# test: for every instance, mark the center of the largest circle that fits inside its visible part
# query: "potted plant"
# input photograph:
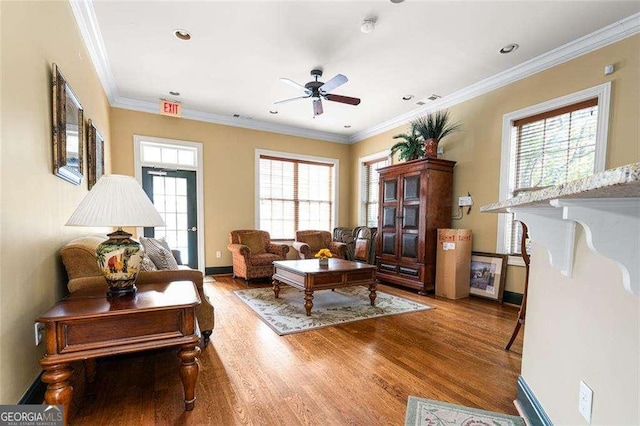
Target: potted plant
(433, 128)
(411, 148)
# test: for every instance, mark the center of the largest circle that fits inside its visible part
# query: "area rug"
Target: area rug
(286, 315)
(426, 412)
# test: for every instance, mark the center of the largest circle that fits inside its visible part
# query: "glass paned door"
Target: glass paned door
(173, 193)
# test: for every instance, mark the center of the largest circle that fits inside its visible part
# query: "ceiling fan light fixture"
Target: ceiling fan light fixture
(182, 34)
(509, 48)
(368, 25)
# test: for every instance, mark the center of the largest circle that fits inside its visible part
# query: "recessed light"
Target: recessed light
(407, 97)
(347, 126)
(172, 93)
(182, 34)
(509, 48)
(273, 112)
(396, 1)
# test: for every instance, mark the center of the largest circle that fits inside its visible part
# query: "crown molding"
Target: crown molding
(610, 34)
(87, 22)
(191, 114)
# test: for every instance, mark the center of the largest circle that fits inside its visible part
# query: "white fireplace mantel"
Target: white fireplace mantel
(606, 205)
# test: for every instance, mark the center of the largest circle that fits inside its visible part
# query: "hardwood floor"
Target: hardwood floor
(358, 373)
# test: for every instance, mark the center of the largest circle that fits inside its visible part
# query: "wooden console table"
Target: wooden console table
(87, 325)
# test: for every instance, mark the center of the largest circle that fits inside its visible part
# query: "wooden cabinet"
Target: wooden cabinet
(415, 200)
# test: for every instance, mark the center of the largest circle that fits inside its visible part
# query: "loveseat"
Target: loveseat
(79, 258)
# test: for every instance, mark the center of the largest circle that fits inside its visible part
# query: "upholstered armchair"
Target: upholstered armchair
(253, 253)
(365, 244)
(308, 243)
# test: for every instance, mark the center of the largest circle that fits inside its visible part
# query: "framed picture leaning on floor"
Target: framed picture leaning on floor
(488, 275)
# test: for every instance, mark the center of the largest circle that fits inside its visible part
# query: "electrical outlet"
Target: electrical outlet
(465, 201)
(39, 332)
(218, 254)
(440, 150)
(585, 401)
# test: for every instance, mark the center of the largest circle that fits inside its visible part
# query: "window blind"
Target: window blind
(551, 148)
(371, 177)
(294, 195)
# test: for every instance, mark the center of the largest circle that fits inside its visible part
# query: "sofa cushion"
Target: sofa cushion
(264, 259)
(315, 241)
(158, 251)
(254, 241)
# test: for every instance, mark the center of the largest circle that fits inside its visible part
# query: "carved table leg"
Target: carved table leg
(372, 293)
(90, 369)
(276, 288)
(189, 369)
(59, 392)
(308, 301)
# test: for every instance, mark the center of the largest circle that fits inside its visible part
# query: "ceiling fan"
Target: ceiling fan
(319, 90)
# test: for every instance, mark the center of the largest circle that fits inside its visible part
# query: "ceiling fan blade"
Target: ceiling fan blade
(289, 100)
(296, 85)
(342, 99)
(317, 107)
(336, 81)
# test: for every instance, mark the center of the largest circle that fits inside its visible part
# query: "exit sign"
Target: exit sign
(170, 108)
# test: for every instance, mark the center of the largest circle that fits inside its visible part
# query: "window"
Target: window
(295, 193)
(549, 144)
(369, 187)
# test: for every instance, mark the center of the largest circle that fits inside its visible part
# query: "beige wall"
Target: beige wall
(477, 149)
(587, 328)
(35, 204)
(229, 163)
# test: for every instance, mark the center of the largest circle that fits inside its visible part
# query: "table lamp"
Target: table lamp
(117, 201)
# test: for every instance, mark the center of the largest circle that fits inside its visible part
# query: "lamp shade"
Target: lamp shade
(117, 201)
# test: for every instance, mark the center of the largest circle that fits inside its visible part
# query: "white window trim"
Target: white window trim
(602, 92)
(336, 174)
(199, 169)
(383, 155)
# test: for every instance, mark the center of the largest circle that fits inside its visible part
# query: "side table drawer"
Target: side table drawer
(80, 334)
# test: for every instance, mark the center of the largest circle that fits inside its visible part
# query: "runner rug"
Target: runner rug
(423, 412)
(286, 315)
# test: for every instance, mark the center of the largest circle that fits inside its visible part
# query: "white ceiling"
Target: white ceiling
(240, 49)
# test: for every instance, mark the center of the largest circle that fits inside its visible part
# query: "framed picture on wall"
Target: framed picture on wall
(68, 130)
(95, 154)
(488, 275)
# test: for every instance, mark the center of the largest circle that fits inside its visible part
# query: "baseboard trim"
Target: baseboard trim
(529, 406)
(218, 270)
(35, 394)
(512, 298)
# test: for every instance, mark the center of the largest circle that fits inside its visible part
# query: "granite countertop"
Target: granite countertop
(622, 182)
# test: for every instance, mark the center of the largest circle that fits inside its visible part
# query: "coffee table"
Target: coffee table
(87, 325)
(308, 275)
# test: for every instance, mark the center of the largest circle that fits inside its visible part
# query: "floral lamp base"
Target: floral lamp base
(119, 259)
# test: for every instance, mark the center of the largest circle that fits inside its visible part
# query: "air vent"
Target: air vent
(242, 117)
(433, 97)
(421, 103)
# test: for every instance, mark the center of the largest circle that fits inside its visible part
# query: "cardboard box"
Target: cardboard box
(453, 263)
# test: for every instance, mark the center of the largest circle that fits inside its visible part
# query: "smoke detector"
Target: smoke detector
(368, 25)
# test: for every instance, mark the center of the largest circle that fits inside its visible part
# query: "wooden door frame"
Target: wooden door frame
(199, 169)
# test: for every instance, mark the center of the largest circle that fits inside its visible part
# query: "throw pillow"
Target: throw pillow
(147, 264)
(254, 241)
(158, 251)
(316, 242)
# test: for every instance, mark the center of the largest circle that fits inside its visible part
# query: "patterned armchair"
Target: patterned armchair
(253, 253)
(308, 243)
